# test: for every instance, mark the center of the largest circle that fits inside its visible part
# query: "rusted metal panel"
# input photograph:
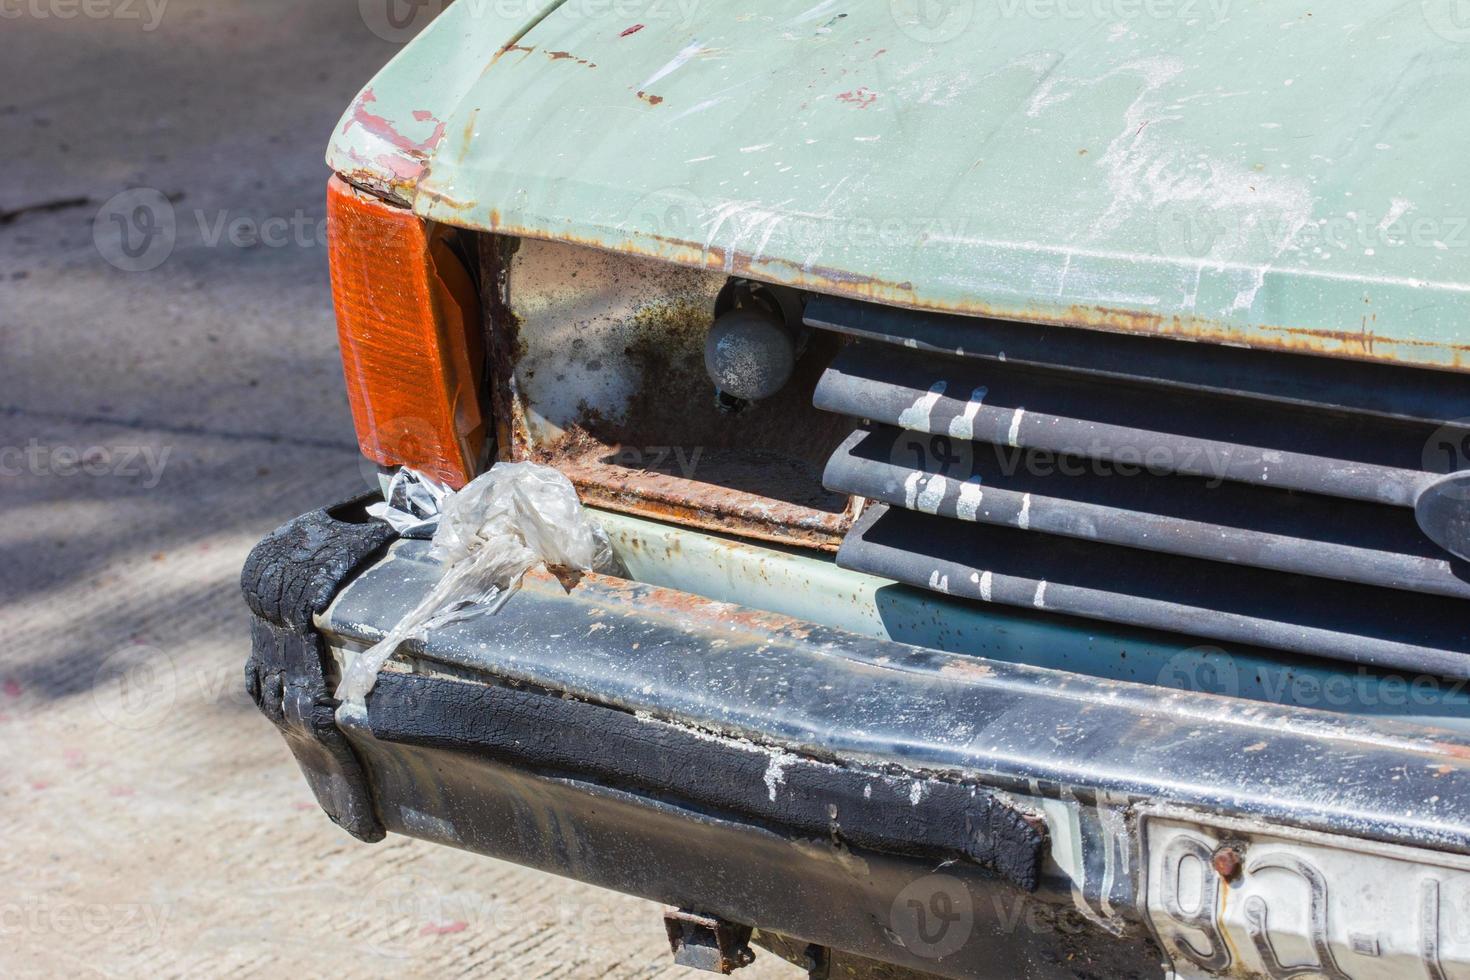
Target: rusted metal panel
(600, 372)
(1284, 177)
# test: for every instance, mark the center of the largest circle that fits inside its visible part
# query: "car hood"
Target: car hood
(1283, 175)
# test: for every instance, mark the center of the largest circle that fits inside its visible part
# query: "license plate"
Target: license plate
(1229, 901)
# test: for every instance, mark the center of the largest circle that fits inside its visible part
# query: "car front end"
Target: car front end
(1037, 496)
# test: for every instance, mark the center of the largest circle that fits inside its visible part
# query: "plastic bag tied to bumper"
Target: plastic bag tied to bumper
(502, 524)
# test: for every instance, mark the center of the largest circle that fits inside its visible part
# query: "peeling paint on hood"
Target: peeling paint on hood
(1279, 175)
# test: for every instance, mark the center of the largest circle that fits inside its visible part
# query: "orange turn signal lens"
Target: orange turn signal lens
(408, 319)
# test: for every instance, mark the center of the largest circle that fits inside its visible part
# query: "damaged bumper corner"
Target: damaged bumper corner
(938, 812)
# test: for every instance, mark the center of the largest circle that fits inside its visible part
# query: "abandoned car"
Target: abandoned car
(1020, 466)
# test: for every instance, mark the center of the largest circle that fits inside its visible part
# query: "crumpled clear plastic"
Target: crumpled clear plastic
(502, 524)
(411, 503)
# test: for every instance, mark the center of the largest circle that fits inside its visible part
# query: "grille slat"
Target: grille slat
(1237, 496)
(1210, 436)
(1387, 390)
(1325, 537)
(1210, 600)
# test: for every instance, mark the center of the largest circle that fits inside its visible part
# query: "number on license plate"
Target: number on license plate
(1304, 905)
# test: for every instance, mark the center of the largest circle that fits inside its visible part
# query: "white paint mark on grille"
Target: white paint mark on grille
(970, 497)
(911, 490)
(933, 495)
(916, 416)
(962, 426)
(1015, 427)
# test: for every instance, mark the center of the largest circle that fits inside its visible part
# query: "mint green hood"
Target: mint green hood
(1278, 174)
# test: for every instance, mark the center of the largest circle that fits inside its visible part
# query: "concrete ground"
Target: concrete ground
(154, 424)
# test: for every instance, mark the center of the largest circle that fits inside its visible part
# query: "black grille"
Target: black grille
(1234, 495)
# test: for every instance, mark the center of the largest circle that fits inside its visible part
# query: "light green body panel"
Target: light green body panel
(1279, 174)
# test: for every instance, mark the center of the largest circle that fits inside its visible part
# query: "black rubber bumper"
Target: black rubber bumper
(850, 792)
(288, 578)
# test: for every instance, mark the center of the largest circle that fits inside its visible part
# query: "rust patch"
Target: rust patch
(756, 624)
(631, 30)
(713, 504)
(1352, 344)
(568, 56)
(528, 49)
(967, 668)
(1226, 862)
(860, 97)
(1453, 750)
(501, 340)
(650, 99)
(1363, 344)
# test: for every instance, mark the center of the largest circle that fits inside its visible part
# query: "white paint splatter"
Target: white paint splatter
(911, 490)
(1023, 519)
(1397, 208)
(776, 772)
(916, 417)
(939, 583)
(1039, 601)
(1253, 217)
(962, 426)
(1015, 431)
(968, 506)
(932, 495)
